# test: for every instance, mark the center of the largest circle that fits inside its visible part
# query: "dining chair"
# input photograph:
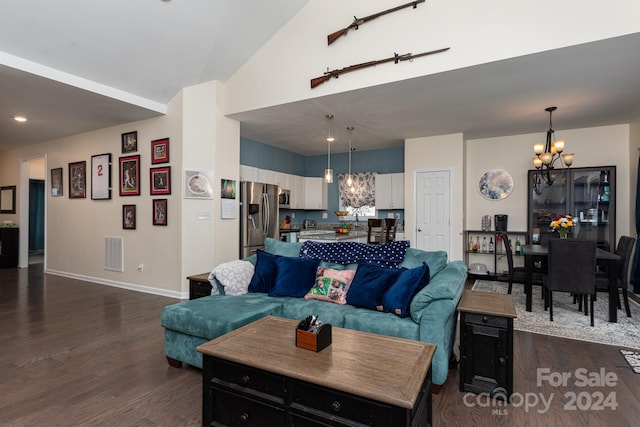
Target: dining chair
(572, 266)
(389, 230)
(374, 231)
(624, 249)
(517, 274)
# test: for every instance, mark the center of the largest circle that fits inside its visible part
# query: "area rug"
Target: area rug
(633, 359)
(568, 322)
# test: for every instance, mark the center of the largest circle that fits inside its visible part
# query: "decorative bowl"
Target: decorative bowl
(342, 213)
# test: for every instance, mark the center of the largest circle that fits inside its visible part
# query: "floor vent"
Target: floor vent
(113, 254)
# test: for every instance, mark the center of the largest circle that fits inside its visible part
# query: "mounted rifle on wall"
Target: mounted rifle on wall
(359, 21)
(395, 58)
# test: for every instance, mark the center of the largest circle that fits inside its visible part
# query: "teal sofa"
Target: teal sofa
(432, 318)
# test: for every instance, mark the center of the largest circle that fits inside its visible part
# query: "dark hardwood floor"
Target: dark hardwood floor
(76, 353)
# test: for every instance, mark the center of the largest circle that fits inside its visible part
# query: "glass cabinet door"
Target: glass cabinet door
(587, 194)
(546, 200)
(593, 207)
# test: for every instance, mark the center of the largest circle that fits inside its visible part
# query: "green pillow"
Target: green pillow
(436, 260)
(276, 247)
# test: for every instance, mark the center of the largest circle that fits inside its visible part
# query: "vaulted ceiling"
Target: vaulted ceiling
(74, 66)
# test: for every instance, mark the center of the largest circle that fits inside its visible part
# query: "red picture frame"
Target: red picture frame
(128, 217)
(160, 151)
(159, 212)
(78, 180)
(160, 180)
(130, 175)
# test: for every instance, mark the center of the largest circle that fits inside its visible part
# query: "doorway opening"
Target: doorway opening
(36, 221)
(33, 183)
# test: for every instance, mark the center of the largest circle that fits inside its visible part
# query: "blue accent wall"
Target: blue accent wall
(263, 156)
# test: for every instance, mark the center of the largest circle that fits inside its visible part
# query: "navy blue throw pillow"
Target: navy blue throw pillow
(370, 284)
(264, 276)
(295, 276)
(398, 298)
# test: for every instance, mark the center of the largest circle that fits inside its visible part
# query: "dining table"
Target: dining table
(531, 252)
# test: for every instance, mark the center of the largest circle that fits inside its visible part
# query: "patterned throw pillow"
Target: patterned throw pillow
(331, 285)
(235, 276)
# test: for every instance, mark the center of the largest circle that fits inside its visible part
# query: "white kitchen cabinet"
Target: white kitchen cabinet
(390, 191)
(248, 173)
(283, 180)
(267, 176)
(297, 192)
(315, 193)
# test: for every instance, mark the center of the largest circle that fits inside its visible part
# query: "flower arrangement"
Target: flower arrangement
(562, 224)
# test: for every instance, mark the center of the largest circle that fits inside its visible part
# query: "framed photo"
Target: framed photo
(101, 177)
(160, 180)
(8, 199)
(78, 180)
(160, 212)
(129, 142)
(130, 175)
(56, 182)
(160, 151)
(228, 188)
(198, 185)
(129, 217)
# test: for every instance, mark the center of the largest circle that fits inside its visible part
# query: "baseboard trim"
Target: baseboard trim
(117, 284)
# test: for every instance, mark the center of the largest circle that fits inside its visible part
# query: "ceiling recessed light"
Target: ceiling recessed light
(20, 119)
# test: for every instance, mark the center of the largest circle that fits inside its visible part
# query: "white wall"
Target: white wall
(75, 228)
(37, 168)
(445, 152)
(598, 146)
(213, 146)
(477, 32)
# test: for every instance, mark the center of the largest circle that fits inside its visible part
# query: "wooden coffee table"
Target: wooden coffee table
(256, 375)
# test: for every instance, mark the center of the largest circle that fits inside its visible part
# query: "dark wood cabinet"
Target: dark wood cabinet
(199, 286)
(238, 395)
(486, 343)
(9, 244)
(587, 194)
(359, 380)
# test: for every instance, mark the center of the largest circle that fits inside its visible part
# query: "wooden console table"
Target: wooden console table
(257, 376)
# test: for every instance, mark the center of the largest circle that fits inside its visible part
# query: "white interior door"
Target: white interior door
(433, 211)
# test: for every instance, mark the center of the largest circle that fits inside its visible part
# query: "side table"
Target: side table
(199, 286)
(486, 343)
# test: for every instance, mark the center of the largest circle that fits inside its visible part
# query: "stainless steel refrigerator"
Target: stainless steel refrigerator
(258, 216)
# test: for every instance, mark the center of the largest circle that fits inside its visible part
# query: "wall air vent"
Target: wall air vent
(113, 254)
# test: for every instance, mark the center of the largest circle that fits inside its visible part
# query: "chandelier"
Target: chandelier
(549, 153)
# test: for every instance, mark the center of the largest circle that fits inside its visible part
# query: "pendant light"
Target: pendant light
(349, 177)
(328, 172)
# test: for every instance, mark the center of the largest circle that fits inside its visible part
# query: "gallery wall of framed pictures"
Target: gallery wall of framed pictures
(129, 178)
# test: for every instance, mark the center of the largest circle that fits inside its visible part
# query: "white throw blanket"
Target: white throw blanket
(235, 276)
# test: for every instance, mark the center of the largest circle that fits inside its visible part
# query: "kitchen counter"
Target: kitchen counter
(331, 236)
